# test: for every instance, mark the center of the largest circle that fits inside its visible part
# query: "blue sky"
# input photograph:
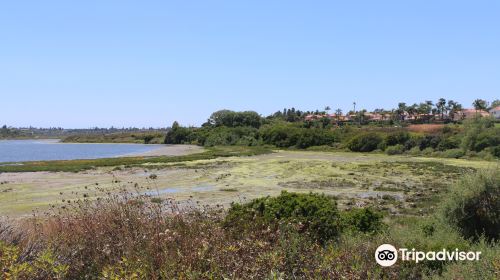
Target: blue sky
(148, 63)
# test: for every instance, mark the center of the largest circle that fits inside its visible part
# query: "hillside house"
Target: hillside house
(469, 114)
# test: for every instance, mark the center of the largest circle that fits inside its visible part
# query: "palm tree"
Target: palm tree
(454, 107)
(327, 109)
(412, 110)
(401, 110)
(440, 106)
(338, 113)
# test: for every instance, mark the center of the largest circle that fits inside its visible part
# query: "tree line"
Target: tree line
(225, 127)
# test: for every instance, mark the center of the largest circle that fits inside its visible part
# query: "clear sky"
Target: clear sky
(148, 63)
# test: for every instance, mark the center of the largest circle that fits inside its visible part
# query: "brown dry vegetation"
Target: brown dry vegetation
(124, 236)
(426, 128)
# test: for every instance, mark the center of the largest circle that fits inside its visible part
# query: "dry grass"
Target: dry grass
(125, 236)
(425, 128)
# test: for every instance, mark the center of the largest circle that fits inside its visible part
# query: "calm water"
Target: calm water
(31, 150)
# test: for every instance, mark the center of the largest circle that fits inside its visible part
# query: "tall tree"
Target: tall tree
(495, 103)
(338, 113)
(327, 109)
(453, 107)
(480, 104)
(440, 106)
(412, 110)
(401, 110)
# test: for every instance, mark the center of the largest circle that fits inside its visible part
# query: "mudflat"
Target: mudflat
(397, 182)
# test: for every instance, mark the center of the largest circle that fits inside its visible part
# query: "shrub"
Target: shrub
(474, 205)
(395, 138)
(480, 133)
(487, 138)
(395, 150)
(448, 143)
(430, 141)
(178, 134)
(221, 136)
(364, 220)
(496, 151)
(414, 141)
(415, 151)
(366, 142)
(453, 153)
(312, 213)
(288, 135)
(44, 265)
(427, 151)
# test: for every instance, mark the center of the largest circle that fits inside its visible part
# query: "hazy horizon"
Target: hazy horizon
(149, 63)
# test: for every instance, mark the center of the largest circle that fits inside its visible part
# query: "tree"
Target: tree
(401, 110)
(495, 103)
(234, 119)
(480, 104)
(412, 110)
(454, 108)
(338, 113)
(440, 106)
(327, 109)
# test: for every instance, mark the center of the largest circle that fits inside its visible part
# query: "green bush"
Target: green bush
(365, 142)
(448, 143)
(178, 134)
(316, 214)
(395, 138)
(289, 135)
(480, 133)
(453, 153)
(415, 151)
(395, 150)
(496, 151)
(223, 136)
(474, 205)
(364, 220)
(427, 151)
(430, 141)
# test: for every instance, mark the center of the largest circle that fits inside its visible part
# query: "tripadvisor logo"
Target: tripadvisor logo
(387, 255)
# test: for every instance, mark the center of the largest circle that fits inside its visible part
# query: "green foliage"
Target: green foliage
(314, 213)
(496, 151)
(364, 220)
(178, 135)
(447, 143)
(478, 137)
(289, 135)
(365, 142)
(395, 150)
(487, 267)
(222, 136)
(125, 270)
(473, 206)
(430, 141)
(395, 138)
(117, 137)
(453, 153)
(45, 265)
(230, 118)
(480, 133)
